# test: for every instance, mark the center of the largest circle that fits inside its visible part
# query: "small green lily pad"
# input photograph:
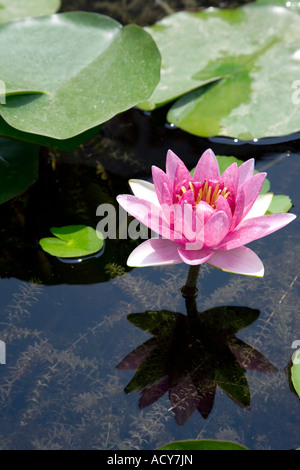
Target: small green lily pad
(280, 203)
(295, 371)
(203, 444)
(72, 241)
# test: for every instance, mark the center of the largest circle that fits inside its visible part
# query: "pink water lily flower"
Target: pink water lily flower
(206, 217)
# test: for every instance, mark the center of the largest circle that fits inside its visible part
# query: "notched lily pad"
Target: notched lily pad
(70, 72)
(72, 241)
(231, 72)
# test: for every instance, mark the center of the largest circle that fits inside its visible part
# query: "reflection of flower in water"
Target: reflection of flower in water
(190, 356)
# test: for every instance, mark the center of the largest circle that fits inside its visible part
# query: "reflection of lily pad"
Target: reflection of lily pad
(72, 241)
(70, 72)
(190, 356)
(19, 164)
(231, 72)
(13, 9)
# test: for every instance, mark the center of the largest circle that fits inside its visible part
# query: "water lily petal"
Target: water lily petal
(150, 215)
(204, 211)
(186, 222)
(246, 170)
(223, 205)
(260, 206)
(176, 169)
(238, 210)
(240, 260)
(144, 190)
(251, 189)
(155, 252)
(187, 198)
(194, 257)
(230, 178)
(163, 186)
(255, 228)
(207, 167)
(215, 229)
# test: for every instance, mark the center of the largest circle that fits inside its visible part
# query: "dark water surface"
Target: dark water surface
(67, 326)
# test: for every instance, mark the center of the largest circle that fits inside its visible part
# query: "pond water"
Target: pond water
(68, 327)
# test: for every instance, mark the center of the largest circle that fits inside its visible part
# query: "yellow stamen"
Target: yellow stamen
(205, 189)
(225, 193)
(199, 197)
(208, 195)
(215, 196)
(205, 193)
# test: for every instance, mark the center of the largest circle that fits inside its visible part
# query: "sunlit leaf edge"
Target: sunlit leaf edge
(295, 373)
(203, 444)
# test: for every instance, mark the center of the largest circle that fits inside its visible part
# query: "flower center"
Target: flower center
(209, 193)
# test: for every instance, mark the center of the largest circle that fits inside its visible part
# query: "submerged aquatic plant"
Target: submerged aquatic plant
(204, 217)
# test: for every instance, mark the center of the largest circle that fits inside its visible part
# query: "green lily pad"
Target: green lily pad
(14, 9)
(203, 444)
(295, 371)
(19, 163)
(70, 72)
(72, 241)
(280, 203)
(44, 141)
(230, 71)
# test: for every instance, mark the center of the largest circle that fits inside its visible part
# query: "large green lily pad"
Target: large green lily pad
(233, 71)
(19, 164)
(13, 9)
(70, 72)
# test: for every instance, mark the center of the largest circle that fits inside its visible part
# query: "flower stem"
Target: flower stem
(190, 289)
